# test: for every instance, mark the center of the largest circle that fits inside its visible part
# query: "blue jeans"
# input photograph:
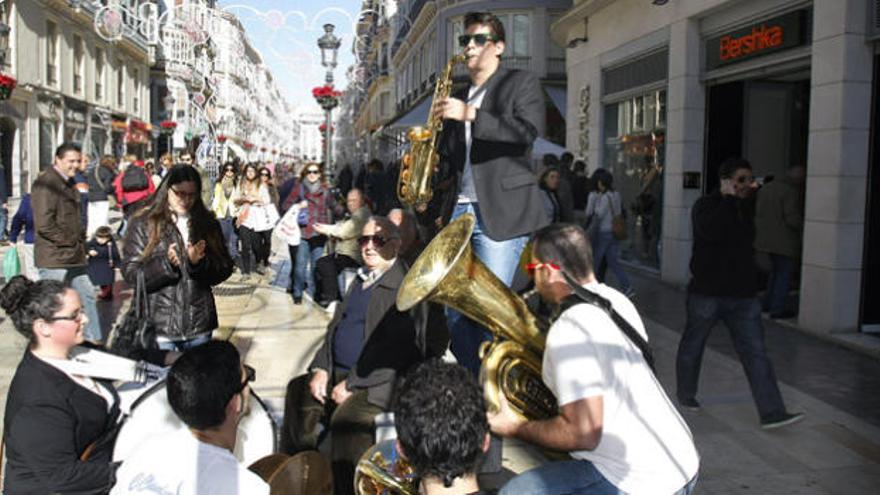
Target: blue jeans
(742, 317)
(78, 278)
(608, 247)
(308, 253)
(227, 225)
(4, 223)
(502, 259)
(182, 345)
(777, 286)
(573, 477)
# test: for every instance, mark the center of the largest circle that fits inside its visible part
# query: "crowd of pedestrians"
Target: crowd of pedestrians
(351, 244)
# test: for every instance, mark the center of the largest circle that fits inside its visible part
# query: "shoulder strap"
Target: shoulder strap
(583, 296)
(98, 177)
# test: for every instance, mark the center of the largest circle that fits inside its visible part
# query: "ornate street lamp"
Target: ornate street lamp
(329, 45)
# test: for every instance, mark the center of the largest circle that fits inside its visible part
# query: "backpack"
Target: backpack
(135, 179)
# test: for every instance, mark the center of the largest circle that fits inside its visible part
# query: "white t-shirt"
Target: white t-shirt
(646, 447)
(179, 464)
(468, 190)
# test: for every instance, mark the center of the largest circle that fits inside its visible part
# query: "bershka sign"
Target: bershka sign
(765, 37)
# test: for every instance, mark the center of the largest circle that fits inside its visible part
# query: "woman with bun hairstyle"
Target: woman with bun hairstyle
(178, 244)
(53, 415)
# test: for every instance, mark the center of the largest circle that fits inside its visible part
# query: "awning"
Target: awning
(559, 95)
(416, 116)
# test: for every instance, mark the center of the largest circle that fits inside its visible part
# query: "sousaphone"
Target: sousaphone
(448, 273)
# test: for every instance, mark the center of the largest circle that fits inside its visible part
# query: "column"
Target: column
(837, 167)
(685, 117)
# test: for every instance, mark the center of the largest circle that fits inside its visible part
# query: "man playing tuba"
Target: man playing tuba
(622, 432)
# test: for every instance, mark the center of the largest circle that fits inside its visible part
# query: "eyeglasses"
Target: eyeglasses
(479, 39)
(77, 317)
(229, 170)
(250, 375)
(377, 240)
(313, 172)
(745, 179)
(531, 267)
(183, 194)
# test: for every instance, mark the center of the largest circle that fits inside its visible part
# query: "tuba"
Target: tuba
(448, 273)
(417, 167)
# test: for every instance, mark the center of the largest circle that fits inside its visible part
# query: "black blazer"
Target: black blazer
(510, 118)
(49, 422)
(393, 340)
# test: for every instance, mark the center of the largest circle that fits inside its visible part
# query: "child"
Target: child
(103, 261)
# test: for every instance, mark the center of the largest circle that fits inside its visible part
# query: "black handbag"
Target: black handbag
(135, 337)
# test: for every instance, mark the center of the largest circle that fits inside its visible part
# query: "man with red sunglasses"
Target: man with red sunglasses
(488, 131)
(621, 430)
(368, 343)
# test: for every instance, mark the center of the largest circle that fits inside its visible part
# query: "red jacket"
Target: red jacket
(127, 198)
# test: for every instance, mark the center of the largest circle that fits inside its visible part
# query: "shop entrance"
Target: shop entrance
(765, 121)
(870, 317)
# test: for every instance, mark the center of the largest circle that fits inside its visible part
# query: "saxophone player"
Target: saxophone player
(488, 130)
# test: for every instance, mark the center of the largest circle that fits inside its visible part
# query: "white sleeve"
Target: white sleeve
(575, 369)
(616, 203)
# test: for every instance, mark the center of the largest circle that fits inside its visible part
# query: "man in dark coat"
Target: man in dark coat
(723, 286)
(60, 243)
(368, 344)
(486, 144)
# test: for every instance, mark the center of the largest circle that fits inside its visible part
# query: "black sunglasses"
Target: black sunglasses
(313, 171)
(378, 240)
(479, 39)
(265, 175)
(250, 375)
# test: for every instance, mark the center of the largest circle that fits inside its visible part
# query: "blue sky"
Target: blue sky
(286, 32)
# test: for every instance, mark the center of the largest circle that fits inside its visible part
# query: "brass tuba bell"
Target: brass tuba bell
(448, 273)
(382, 471)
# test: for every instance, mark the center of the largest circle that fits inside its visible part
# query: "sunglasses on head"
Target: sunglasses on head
(250, 375)
(377, 240)
(479, 39)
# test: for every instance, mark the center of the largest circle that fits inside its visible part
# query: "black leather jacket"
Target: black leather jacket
(181, 300)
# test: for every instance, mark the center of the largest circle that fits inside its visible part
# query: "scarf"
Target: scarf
(228, 184)
(312, 187)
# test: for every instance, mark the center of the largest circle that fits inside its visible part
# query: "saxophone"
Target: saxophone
(417, 167)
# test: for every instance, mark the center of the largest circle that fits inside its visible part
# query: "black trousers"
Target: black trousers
(250, 249)
(292, 251)
(327, 270)
(351, 425)
(265, 246)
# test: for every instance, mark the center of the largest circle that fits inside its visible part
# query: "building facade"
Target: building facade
(660, 95)
(72, 85)
(409, 43)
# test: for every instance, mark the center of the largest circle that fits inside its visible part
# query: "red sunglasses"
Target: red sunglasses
(531, 267)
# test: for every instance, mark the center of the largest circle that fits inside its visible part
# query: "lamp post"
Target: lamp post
(169, 100)
(329, 45)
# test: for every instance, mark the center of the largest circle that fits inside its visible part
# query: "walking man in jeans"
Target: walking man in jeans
(60, 241)
(724, 286)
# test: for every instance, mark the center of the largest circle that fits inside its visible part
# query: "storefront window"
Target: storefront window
(635, 135)
(48, 129)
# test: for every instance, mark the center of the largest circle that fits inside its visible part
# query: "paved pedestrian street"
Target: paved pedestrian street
(832, 451)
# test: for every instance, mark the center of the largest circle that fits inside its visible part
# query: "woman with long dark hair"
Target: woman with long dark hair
(602, 206)
(225, 210)
(250, 198)
(266, 234)
(178, 244)
(315, 198)
(53, 413)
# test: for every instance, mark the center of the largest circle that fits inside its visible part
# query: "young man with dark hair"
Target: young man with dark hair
(724, 286)
(60, 236)
(488, 131)
(208, 389)
(615, 420)
(441, 425)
